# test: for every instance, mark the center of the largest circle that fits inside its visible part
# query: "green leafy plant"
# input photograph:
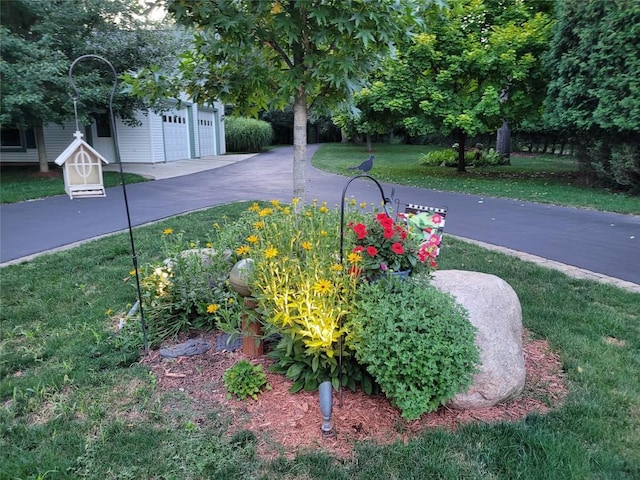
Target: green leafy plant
(245, 380)
(247, 134)
(416, 341)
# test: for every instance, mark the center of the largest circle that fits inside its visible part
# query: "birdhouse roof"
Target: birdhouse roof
(71, 149)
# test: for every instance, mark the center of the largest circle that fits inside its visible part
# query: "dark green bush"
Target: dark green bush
(618, 166)
(447, 158)
(416, 341)
(247, 134)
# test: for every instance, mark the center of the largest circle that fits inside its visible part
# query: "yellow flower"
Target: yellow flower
(276, 9)
(271, 252)
(336, 267)
(243, 249)
(323, 233)
(252, 239)
(306, 245)
(323, 209)
(286, 211)
(167, 231)
(265, 212)
(216, 225)
(352, 201)
(108, 311)
(133, 272)
(354, 257)
(212, 308)
(192, 244)
(295, 201)
(275, 203)
(255, 207)
(322, 286)
(209, 245)
(363, 205)
(231, 301)
(258, 225)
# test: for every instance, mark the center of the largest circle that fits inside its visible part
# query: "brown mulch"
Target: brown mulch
(293, 420)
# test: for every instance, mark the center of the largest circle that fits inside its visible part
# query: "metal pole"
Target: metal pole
(122, 179)
(385, 200)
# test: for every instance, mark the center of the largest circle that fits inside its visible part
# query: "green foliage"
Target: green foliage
(449, 158)
(247, 134)
(615, 165)
(416, 342)
(454, 79)
(189, 290)
(245, 380)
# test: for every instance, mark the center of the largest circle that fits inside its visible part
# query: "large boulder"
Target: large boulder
(494, 309)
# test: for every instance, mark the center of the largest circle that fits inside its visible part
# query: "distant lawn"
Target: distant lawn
(18, 184)
(542, 178)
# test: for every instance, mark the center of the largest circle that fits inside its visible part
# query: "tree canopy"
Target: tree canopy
(264, 54)
(40, 40)
(477, 63)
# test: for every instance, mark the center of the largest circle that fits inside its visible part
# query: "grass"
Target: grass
(543, 178)
(74, 402)
(18, 184)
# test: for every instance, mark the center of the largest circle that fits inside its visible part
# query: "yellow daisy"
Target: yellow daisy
(306, 245)
(243, 249)
(271, 252)
(354, 257)
(322, 286)
(258, 225)
(167, 231)
(212, 308)
(252, 239)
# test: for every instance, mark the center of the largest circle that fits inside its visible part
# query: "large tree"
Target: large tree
(40, 40)
(260, 54)
(477, 65)
(594, 93)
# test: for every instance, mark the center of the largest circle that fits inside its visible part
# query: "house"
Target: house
(191, 131)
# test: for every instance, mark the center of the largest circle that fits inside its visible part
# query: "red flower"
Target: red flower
(384, 220)
(372, 251)
(358, 249)
(397, 248)
(361, 230)
(388, 233)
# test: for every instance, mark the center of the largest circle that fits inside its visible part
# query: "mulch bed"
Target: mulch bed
(293, 421)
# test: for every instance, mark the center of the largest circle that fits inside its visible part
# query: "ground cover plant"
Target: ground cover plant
(75, 402)
(18, 184)
(537, 178)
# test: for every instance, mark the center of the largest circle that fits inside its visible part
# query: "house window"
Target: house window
(103, 125)
(17, 140)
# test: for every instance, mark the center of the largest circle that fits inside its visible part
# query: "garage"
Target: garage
(175, 128)
(207, 132)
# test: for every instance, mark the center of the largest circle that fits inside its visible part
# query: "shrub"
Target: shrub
(245, 380)
(416, 341)
(247, 134)
(447, 157)
(619, 167)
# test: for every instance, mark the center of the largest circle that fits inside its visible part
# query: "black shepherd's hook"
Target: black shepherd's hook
(385, 201)
(122, 180)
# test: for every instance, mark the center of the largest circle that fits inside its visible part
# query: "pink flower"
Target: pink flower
(437, 218)
(383, 267)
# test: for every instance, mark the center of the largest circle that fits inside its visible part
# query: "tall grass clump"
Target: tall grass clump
(247, 134)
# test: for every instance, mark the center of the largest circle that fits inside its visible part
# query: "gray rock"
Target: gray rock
(194, 346)
(494, 309)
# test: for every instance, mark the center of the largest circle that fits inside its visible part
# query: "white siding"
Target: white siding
(206, 132)
(134, 141)
(176, 135)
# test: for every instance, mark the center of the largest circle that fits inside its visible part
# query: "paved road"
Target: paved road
(605, 243)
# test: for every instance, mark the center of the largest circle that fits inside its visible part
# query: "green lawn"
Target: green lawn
(74, 402)
(18, 184)
(544, 178)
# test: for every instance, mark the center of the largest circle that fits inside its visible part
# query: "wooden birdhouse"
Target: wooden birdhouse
(82, 169)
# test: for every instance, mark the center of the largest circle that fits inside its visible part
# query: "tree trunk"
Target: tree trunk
(369, 145)
(42, 149)
(461, 142)
(300, 147)
(503, 141)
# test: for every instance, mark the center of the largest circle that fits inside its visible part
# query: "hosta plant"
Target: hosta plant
(245, 380)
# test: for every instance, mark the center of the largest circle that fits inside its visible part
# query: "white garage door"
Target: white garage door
(175, 128)
(206, 133)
